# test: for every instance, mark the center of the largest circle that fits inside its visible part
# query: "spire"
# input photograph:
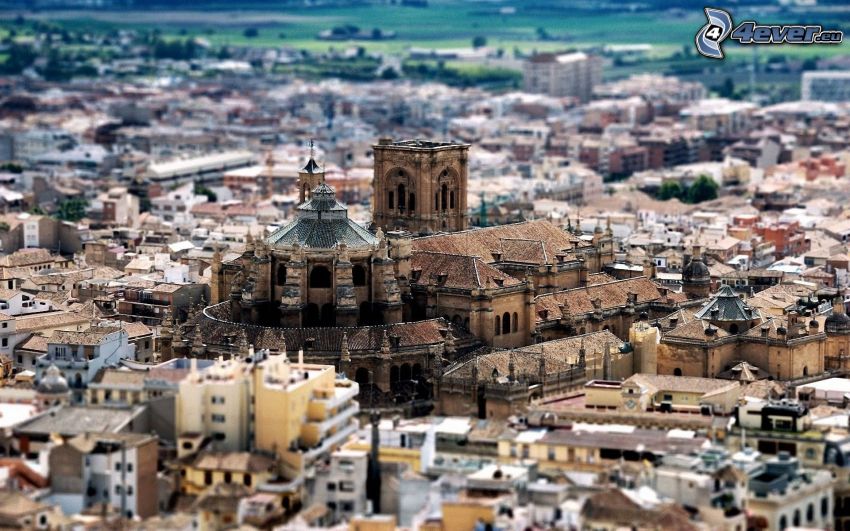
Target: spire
(385, 345)
(511, 367)
(582, 355)
(345, 353)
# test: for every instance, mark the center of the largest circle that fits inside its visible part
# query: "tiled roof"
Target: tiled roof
(120, 377)
(463, 272)
(363, 339)
(26, 257)
(93, 336)
(579, 301)
(35, 343)
(322, 223)
(47, 320)
(683, 384)
(696, 330)
(550, 238)
(523, 251)
(73, 420)
(727, 306)
(558, 355)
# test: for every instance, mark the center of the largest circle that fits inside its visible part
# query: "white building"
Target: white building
(826, 86)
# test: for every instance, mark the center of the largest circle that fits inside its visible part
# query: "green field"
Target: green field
(444, 24)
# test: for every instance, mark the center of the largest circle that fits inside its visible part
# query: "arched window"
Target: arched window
(361, 376)
(515, 323)
(401, 197)
(358, 275)
(796, 517)
(416, 374)
(412, 203)
(78, 381)
(391, 200)
(506, 323)
(498, 326)
(824, 506)
(393, 374)
(320, 277)
(805, 371)
(452, 199)
(733, 328)
(677, 371)
(405, 372)
(281, 275)
(810, 513)
(306, 190)
(444, 196)
(783, 522)
(436, 201)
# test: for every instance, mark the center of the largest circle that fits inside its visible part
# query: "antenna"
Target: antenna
(311, 148)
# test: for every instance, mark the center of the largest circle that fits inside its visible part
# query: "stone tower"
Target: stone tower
(309, 177)
(420, 186)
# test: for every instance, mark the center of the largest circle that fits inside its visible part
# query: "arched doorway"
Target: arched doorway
(677, 371)
(361, 376)
(416, 373)
(405, 373)
(310, 316)
(281, 275)
(401, 197)
(498, 325)
(328, 315)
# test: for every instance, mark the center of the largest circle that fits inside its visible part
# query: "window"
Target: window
(331, 486)
(217, 418)
(320, 277)
(498, 326)
(246, 480)
(117, 489)
(391, 200)
(20, 359)
(129, 467)
(217, 399)
(228, 477)
(129, 490)
(147, 344)
(515, 323)
(358, 274)
(346, 486)
(208, 477)
(452, 199)
(411, 204)
(118, 467)
(506, 323)
(401, 197)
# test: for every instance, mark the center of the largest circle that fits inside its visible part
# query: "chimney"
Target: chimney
(385, 141)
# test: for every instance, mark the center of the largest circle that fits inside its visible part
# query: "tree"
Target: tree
(479, 42)
(727, 90)
(389, 73)
(669, 190)
(203, 190)
(72, 209)
(703, 189)
(250, 33)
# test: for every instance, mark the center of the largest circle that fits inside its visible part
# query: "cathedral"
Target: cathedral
(419, 308)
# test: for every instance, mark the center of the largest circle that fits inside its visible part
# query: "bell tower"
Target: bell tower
(309, 177)
(420, 186)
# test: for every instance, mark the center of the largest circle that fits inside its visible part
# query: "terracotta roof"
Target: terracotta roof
(35, 343)
(558, 355)
(93, 336)
(136, 329)
(461, 271)
(15, 505)
(120, 378)
(696, 330)
(541, 237)
(681, 384)
(47, 320)
(365, 339)
(579, 301)
(26, 257)
(614, 506)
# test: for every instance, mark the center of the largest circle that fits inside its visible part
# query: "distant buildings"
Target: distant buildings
(562, 75)
(828, 86)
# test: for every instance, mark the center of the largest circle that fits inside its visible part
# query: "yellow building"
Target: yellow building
(297, 411)
(213, 468)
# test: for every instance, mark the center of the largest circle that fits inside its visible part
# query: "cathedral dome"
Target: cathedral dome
(322, 223)
(837, 323)
(696, 271)
(53, 382)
